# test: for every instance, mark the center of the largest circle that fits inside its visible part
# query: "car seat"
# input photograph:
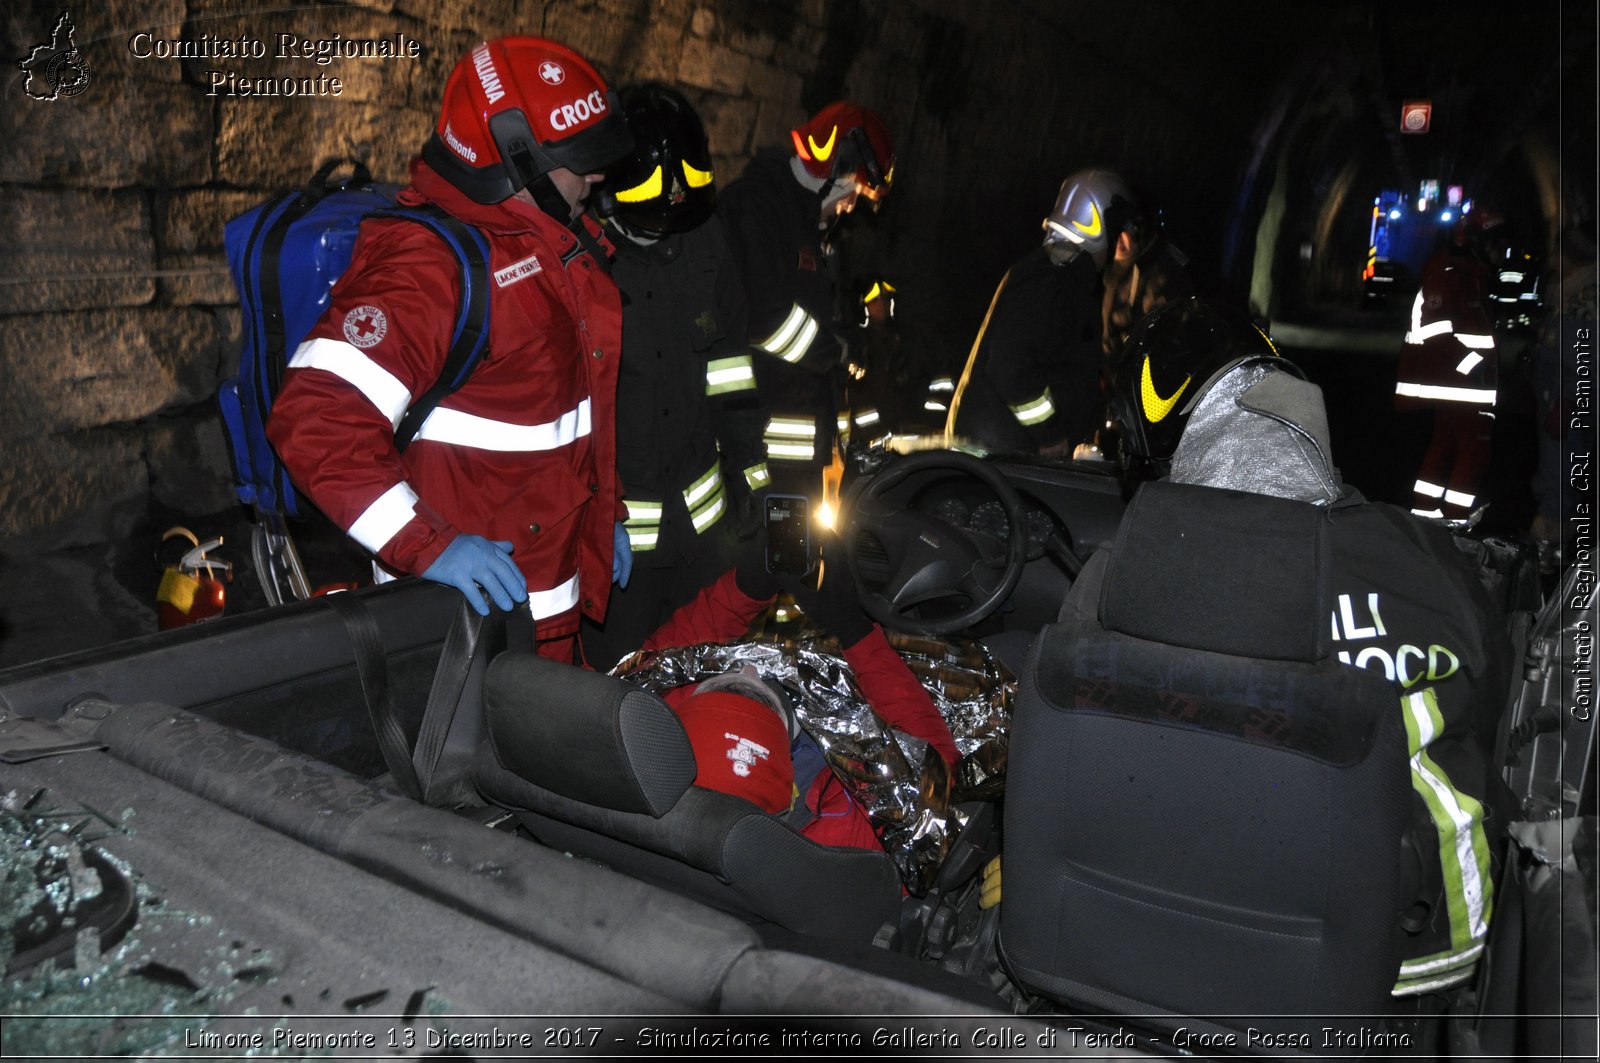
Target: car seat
(1205, 810)
(599, 767)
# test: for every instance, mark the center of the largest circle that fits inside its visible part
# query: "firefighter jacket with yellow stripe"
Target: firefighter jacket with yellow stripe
(1037, 353)
(689, 422)
(524, 451)
(1407, 604)
(790, 286)
(1448, 357)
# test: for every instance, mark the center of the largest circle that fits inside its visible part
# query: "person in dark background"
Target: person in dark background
(1449, 365)
(778, 214)
(688, 420)
(509, 490)
(1037, 369)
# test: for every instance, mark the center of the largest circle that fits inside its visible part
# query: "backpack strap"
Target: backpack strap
(471, 334)
(277, 223)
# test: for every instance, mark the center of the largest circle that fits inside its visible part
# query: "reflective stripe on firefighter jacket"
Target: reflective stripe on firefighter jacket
(686, 398)
(704, 500)
(1407, 605)
(523, 451)
(1449, 352)
(790, 284)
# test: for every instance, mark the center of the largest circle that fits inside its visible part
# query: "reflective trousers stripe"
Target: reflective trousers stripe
(758, 476)
(1441, 393)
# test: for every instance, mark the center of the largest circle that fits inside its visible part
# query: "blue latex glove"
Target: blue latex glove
(621, 556)
(472, 562)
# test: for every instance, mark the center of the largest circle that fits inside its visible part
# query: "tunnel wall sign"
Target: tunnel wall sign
(1415, 115)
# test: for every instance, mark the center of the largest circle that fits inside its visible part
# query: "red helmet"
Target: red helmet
(516, 108)
(845, 138)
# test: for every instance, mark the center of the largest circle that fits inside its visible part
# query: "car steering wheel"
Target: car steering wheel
(931, 559)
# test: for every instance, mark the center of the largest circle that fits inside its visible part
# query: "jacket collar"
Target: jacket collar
(507, 216)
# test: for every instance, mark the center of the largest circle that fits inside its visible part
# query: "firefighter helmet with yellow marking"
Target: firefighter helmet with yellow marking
(845, 139)
(1173, 356)
(1093, 208)
(667, 185)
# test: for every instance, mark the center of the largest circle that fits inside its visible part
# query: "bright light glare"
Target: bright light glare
(1445, 215)
(826, 515)
(1394, 215)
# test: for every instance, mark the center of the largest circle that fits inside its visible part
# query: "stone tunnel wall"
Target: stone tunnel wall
(117, 316)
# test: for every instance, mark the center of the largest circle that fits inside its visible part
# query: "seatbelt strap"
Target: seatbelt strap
(373, 673)
(471, 638)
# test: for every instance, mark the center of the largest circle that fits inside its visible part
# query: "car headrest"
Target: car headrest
(1223, 571)
(586, 736)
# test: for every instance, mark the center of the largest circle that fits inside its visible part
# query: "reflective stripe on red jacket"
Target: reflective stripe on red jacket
(523, 451)
(1449, 352)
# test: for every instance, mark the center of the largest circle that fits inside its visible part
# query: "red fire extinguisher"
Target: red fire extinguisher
(192, 582)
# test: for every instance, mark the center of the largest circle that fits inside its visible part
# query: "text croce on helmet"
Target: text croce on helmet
(666, 185)
(843, 139)
(516, 108)
(1093, 208)
(1173, 356)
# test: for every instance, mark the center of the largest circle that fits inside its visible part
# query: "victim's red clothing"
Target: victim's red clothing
(722, 612)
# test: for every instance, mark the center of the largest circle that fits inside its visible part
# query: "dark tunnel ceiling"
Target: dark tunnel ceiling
(1324, 82)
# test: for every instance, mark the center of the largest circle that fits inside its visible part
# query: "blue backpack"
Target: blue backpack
(285, 256)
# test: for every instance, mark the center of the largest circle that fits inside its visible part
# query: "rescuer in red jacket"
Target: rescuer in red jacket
(743, 747)
(509, 490)
(1449, 364)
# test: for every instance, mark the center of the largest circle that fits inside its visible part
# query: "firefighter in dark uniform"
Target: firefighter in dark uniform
(1047, 347)
(1203, 397)
(778, 215)
(688, 420)
(1448, 364)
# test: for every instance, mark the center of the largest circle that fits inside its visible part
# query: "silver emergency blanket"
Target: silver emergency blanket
(1262, 430)
(902, 785)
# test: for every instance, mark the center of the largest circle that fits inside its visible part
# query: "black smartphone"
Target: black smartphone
(789, 547)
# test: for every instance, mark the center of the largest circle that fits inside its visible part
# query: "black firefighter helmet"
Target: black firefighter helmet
(1173, 356)
(666, 186)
